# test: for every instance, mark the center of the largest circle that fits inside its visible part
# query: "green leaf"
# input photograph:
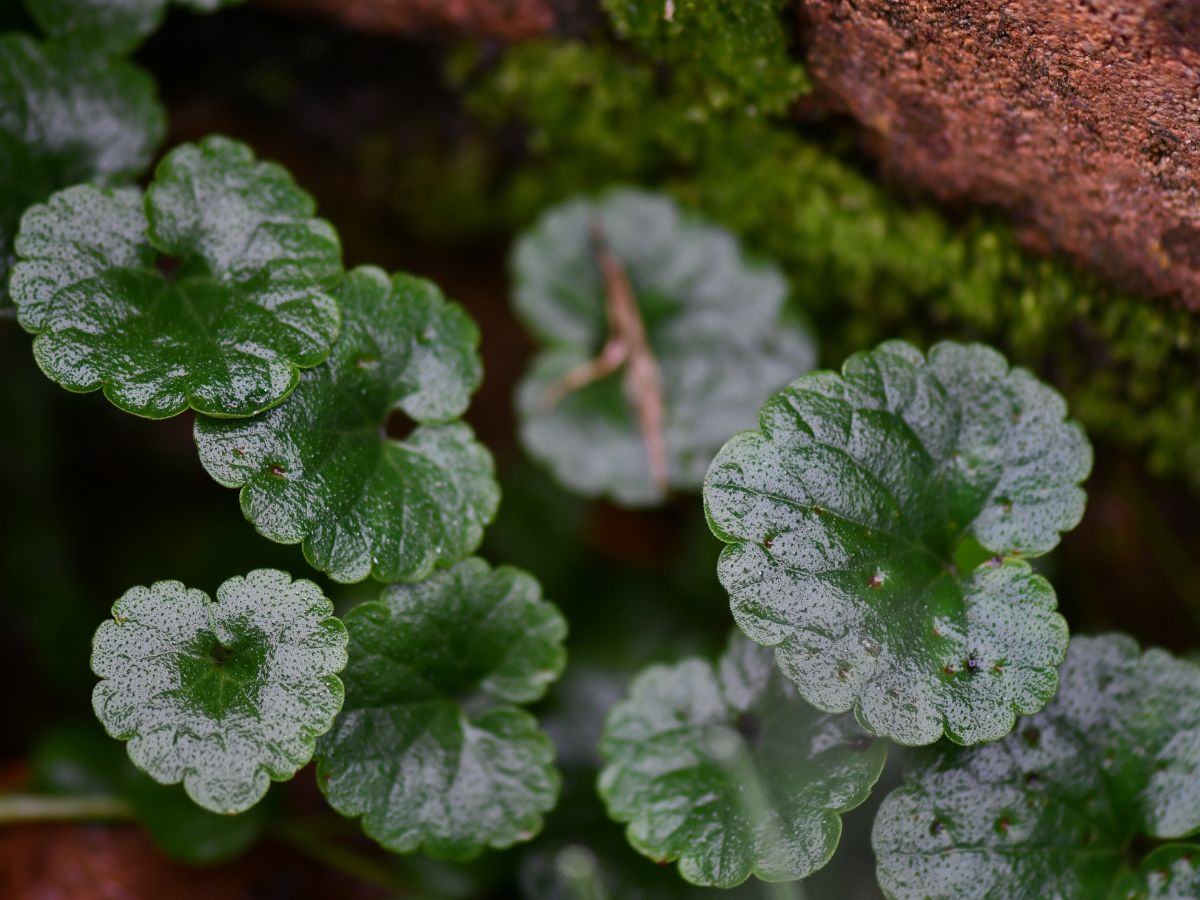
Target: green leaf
(321, 469)
(1169, 873)
(67, 117)
(844, 515)
(714, 321)
(726, 769)
(432, 750)
(222, 696)
(81, 760)
(228, 334)
(1054, 809)
(109, 26)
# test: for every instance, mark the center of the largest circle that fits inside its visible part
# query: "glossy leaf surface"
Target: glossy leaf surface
(76, 760)
(67, 118)
(228, 332)
(845, 515)
(433, 750)
(1053, 809)
(109, 26)
(321, 469)
(715, 323)
(729, 771)
(222, 696)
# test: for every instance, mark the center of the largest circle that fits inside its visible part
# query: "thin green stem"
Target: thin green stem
(22, 808)
(336, 856)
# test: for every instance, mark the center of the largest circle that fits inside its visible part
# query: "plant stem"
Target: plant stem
(21, 808)
(337, 856)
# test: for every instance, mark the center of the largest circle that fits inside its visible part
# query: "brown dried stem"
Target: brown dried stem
(628, 346)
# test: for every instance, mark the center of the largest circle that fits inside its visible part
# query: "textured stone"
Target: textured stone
(1081, 118)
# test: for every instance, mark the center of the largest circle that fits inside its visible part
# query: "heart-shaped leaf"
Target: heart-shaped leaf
(714, 330)
(846, 513)
(67, 117)
(228, 333)
(109, 26)
(727, 770)
(1054, 809)
(222, 696)
(432, 750)
(76, 760)
(321, 469)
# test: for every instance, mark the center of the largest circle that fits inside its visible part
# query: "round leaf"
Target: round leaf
(713, 319)
(431, 749)
(228, 333)
(844, 516)
(321, 469)
(730, 772)
(110, 26)
(221, 696)
(1054, 809)
(67, 117)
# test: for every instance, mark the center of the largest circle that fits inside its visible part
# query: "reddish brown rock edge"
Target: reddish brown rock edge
(1082, 117)
(503, 19)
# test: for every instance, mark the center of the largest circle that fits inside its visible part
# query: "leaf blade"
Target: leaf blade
(226, 724)
(431, 751)
(842, 515)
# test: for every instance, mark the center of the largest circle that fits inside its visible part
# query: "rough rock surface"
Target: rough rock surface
(1081, 117)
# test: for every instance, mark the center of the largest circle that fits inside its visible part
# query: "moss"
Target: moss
(728, 54)
(865, 263)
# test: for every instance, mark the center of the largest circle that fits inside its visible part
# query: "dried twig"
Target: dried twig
(628, 346)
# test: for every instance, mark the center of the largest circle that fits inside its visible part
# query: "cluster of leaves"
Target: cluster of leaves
(877, 526)
(217, 289)
(295, 368)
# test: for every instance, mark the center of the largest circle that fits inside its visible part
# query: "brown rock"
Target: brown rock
(1083, 118)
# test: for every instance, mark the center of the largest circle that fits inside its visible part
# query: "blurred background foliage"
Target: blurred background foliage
(429, 156)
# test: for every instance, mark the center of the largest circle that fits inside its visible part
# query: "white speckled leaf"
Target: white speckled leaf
(320, 468)
(843, 516)
(727, 770)
(432, 751)
(714, 320)
(222, 696)
(1171, 872)
(67, 118)
(228, 333)
(1053, 810)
